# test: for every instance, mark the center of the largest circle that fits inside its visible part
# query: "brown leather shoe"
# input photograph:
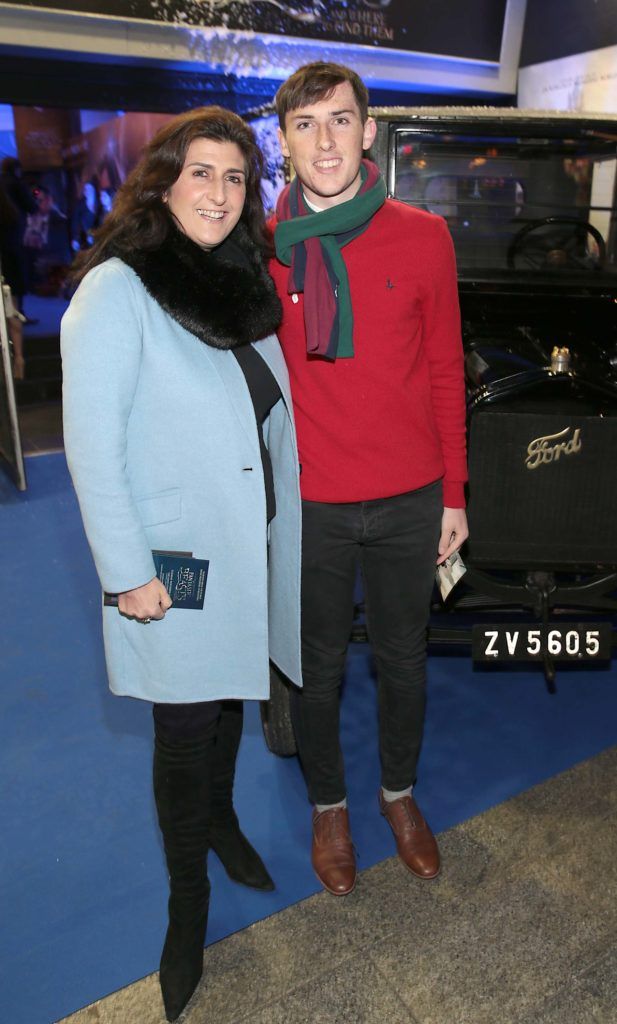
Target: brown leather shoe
(415, 842)
(332, 853)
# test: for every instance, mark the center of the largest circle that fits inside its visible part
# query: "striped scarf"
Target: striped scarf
(310, 244)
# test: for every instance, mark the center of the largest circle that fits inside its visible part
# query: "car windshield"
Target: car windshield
(515, 204)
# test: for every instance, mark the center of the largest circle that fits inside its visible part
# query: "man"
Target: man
(371, 336)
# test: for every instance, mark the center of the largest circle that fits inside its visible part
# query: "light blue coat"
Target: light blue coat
(162, 445)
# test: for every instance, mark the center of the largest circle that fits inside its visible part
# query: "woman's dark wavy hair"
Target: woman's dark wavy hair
(140, 219)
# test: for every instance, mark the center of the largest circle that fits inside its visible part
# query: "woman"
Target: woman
(179, 437)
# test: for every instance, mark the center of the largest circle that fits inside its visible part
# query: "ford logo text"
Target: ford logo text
(550, 448)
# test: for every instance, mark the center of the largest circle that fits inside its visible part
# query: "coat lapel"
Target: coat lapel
(270, 351)
(234, 382)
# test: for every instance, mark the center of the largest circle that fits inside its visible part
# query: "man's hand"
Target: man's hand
(148, 602)
(453, 532)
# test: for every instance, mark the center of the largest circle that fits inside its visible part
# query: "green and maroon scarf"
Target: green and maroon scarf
(310, 244)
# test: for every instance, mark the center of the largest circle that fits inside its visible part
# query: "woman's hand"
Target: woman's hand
(148, 602)
(453, 532)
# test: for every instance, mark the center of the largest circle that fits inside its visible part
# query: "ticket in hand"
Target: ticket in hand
(449, 573)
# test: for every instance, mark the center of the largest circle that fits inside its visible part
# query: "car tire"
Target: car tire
(276, 716)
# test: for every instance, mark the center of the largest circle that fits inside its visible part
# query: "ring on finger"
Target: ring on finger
(145, 620)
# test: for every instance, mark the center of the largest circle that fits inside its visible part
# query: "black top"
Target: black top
(265, 393)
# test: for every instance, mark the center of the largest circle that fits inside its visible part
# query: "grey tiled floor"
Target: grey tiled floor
(520, 928)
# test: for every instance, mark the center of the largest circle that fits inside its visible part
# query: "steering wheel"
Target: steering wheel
(567, 247)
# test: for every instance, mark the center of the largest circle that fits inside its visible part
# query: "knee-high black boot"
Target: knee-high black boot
(182, 789)
(240, 860)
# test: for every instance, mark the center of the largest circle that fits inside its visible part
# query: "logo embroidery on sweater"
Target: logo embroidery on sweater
(389, 285)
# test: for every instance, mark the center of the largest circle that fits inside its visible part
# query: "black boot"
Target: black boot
(182, 785)
(240, 860)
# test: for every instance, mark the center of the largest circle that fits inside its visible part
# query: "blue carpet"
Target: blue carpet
(82, 878)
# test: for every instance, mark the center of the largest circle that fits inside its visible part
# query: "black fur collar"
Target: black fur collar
(224, 297)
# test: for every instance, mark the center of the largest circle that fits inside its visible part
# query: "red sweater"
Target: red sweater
(392, 418)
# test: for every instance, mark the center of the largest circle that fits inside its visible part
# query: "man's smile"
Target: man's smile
(329, 164)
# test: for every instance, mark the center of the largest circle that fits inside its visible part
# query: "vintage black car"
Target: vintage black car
(530, 201)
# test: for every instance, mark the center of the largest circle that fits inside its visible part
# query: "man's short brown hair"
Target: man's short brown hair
(316, 81)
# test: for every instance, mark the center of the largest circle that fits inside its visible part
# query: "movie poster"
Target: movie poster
(471, 30)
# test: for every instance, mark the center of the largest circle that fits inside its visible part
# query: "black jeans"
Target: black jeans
(394, 540)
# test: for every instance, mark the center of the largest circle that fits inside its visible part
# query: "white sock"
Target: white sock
(395, 794)
(330, 807)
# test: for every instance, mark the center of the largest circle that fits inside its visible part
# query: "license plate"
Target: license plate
(568, 641)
